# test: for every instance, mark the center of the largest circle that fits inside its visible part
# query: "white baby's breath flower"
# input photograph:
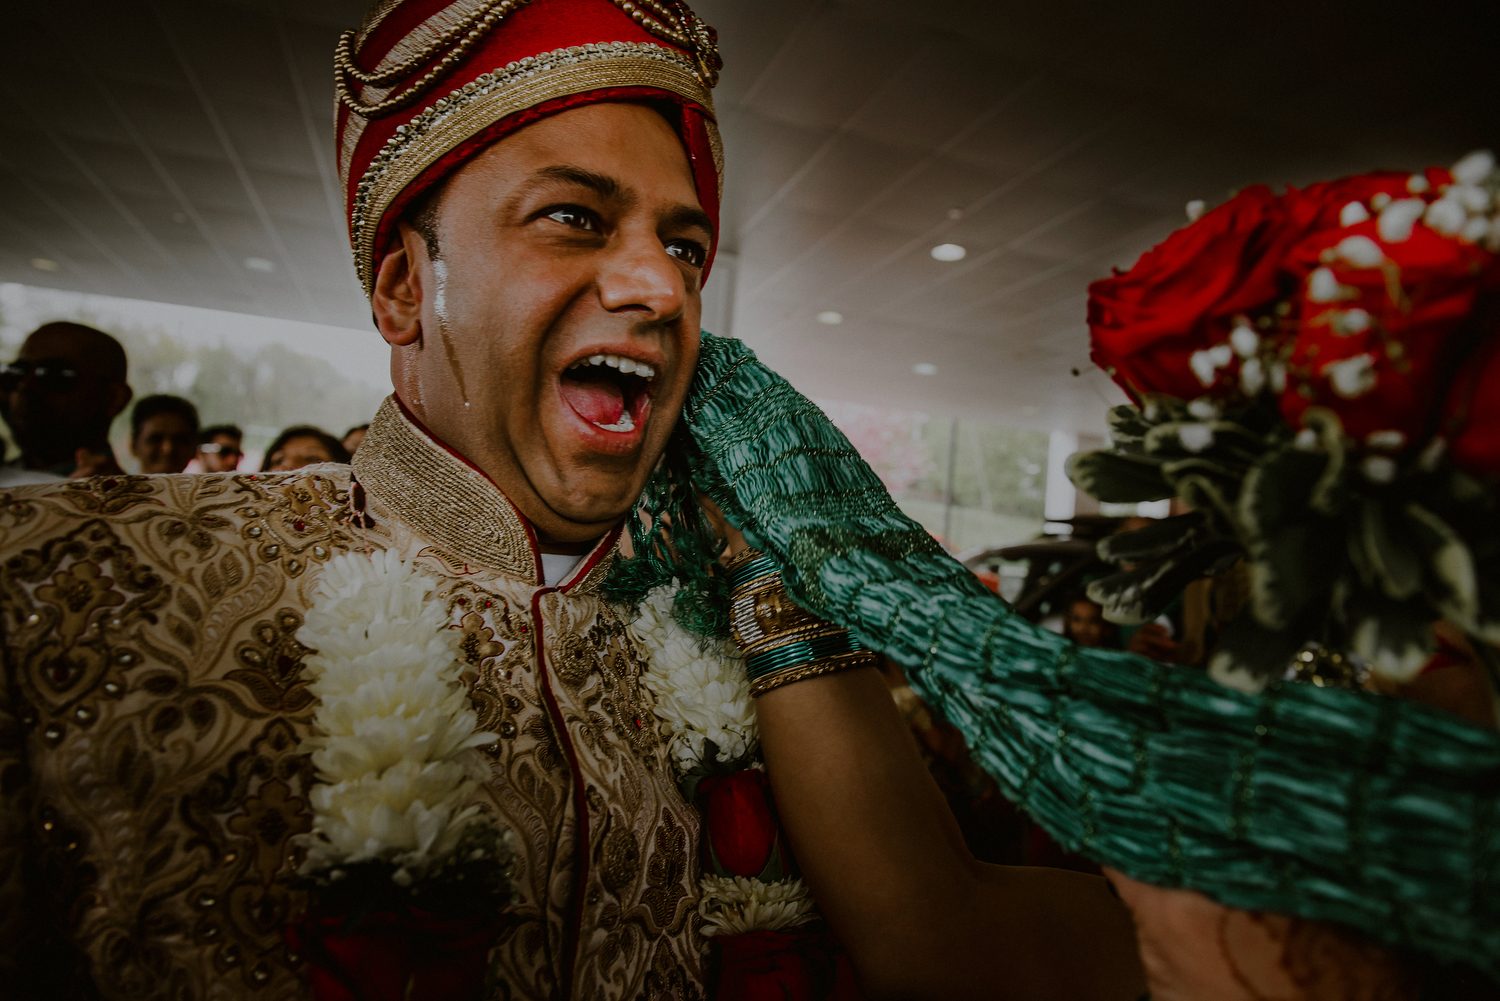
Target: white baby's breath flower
(1252, 377)
(1324, 286)
(701, 688)
(1360, 251)
(1353, 377)
(1353, 214)
(1244, 340)
(1446, 216)
(1195, 437)
(393, 733)
(734, 905)
(1474, 168)
(1398, 218)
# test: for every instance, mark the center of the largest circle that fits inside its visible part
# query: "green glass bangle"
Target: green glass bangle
(801, 652)
(760, 566)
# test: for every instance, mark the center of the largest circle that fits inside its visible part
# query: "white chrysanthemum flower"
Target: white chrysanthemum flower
(394, 733)
(734, 905)
(702, 691)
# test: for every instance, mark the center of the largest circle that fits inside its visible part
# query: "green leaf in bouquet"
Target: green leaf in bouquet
(1227, 477)
(1156, 541)
(1127, 429)
(1276, 492)
(1488, 626)
(1225, 441)
(1330, 492)
(1450, 567)
(1250, 656)
(1292, 569)
(1140, 595)
(1203, 494)
(1160, 409)
(1117, 479)
(1395, 637)
(1388, 548)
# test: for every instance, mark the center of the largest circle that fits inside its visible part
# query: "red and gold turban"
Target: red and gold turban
(425, 85)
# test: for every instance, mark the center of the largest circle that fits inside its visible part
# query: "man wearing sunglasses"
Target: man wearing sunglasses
(220, 451)
(58, 398)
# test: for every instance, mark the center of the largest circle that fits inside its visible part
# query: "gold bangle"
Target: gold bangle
(782, 642)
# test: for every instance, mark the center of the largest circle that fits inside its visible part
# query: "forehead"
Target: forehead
(163, 423)
(61, 343)
(631, 143)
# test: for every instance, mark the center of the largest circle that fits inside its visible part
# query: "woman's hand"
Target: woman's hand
(1197, 950)
(722, 526)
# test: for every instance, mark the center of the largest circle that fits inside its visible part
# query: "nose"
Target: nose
(640, 276)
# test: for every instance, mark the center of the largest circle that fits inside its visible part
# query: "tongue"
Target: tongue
(598, 401)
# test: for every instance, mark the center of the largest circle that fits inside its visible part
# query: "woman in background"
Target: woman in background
(302, 445)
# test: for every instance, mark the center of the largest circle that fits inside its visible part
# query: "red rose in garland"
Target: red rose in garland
(1472, 416)
(1382, 324)
(741, 832)
(1163, 326)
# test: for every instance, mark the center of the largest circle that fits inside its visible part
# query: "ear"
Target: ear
(397, 300)
(120, 396)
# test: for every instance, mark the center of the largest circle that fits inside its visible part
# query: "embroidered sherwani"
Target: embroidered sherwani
(155, 705)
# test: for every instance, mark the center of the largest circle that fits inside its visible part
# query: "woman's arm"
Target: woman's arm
(885, 859)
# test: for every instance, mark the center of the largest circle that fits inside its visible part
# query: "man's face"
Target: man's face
(559, 323)
(166, 444)
(57, 398)
(1086, 625)
(222, 455)
(304, 450)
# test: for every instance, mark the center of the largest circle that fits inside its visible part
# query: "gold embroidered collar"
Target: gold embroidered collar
(455, 506)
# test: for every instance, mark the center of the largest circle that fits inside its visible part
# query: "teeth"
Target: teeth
(627, 366)
(627, 423)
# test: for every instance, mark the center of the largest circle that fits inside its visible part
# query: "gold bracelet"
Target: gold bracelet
(781, 641)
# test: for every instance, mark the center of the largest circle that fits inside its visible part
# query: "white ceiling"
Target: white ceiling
(151, 148)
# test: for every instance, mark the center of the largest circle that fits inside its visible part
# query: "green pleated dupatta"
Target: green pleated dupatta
(1334, 805)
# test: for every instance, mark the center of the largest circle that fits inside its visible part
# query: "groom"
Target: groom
(533, 195)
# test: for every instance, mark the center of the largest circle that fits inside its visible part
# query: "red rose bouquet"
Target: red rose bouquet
(1317, 374)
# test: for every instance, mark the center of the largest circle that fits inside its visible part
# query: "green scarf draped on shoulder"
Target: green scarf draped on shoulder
(1333, 805)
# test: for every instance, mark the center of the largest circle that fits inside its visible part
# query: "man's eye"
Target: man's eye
(575, 217)
(691, 251)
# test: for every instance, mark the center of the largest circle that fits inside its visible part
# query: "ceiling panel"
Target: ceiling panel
(151, 149)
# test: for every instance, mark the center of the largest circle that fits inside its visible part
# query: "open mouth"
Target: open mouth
(611, 392)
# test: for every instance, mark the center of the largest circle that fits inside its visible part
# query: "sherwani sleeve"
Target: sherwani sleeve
(17, 917)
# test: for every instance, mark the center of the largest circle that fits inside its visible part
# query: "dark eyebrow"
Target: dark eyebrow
(607, 187)
(601, 184)
(684, 216)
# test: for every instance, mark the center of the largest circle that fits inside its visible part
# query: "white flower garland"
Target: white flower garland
(394, 731)
(703, 693)
(701, 689)
(735, 905)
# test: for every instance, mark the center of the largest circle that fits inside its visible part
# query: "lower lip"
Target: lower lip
(597, 438)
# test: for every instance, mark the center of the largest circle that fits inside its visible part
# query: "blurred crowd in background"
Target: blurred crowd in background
(69, 382)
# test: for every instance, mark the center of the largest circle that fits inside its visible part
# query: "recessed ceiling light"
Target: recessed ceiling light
(924, 368)
(831, 317)
(42, 264)
(259, 264)
(948, 252)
